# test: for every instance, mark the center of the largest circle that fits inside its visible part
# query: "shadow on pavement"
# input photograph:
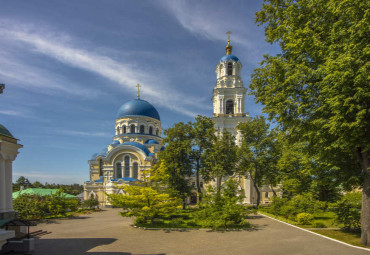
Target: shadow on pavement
(76, 246)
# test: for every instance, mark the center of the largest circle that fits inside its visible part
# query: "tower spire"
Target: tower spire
(228, 47)
(138, 91)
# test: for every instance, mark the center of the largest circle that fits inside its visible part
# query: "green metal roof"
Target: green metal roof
(41, 192)
(5, 131)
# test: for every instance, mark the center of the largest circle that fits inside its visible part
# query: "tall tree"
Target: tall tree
(318, 87)
(175, 164)
(256, 155)
(220, 158)
(203, 136)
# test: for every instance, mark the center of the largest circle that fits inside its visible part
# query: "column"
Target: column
(8, 186)
(2, 186)
(221, 104)
(131, 171)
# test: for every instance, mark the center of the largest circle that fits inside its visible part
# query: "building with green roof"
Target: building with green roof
(41, 192)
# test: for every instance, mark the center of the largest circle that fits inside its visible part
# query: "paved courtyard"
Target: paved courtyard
(108, 233)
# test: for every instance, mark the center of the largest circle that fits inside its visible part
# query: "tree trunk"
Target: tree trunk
(273, 191)
(218, 183)
(199, 190)
(365, 211)
(184, 204)
(258, 194)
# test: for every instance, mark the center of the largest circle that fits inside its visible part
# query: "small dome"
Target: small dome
(115, 142)
(228, 57)
(137, 107)
(151, 141)
(4, 131)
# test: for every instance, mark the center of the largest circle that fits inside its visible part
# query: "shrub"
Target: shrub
(191, 224)
(304, 218)
(90, 203)
(348, 210)
(319, 224)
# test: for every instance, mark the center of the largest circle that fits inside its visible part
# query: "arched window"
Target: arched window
(230, 69)
(100, 167)
(136, 170)
(229, 107)
(142, 129)
(132, 129)
(127, 166)
(124, 129)
(117, 131)
(150, 130)
(118, 170)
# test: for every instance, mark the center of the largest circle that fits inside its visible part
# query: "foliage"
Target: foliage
(90, 203)
(289, 209)
(73, 189)
(203, 136)
(319, 224)
(175, 165)
(257, 156)
(348, 210)
(220, 158)
(304, 218)
(36, 207)
(222, 209)
(144, 203)
(317, 88)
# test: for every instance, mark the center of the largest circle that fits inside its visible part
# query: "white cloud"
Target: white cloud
(82, 133)
(50, 178)
(61, 48)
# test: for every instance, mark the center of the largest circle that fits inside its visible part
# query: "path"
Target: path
(108, 233)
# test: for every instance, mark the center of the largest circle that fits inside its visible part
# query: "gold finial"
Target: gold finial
(138, 91)
(228, 47)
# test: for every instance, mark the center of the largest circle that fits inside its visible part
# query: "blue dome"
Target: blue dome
(4, 131)
(227, 57)
(151, 141)
(115, 142)
(137, 107)
(138, 145)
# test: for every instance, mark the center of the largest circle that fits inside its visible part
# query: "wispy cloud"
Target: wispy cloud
(83, 133)
(62, 48)
(50, 178)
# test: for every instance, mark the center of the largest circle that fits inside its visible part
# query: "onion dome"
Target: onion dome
(137, 107)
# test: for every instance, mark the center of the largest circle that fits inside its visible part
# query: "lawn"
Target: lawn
(353, 238)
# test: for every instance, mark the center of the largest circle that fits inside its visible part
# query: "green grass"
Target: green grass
(353, 238)
(328, 218)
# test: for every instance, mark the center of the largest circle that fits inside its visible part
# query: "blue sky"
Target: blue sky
(69, 65)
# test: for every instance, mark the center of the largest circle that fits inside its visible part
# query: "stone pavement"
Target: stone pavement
(108, 233)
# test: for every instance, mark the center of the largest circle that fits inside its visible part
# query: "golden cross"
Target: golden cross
(138, 90)
(228, 35)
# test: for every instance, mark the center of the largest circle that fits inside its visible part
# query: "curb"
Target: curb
(335, 240)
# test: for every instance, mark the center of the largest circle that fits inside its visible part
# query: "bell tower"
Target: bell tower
(229, 93)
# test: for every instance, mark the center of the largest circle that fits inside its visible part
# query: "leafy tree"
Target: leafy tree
(90, 203)
(22, 182)
(348, 210)
(37, 184)
(222, 209)
(318, 86)
(257, 157)
(175, 163)
(203, 136)
(220, 158)
(144, 203)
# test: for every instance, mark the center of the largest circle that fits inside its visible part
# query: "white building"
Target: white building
(8, 152)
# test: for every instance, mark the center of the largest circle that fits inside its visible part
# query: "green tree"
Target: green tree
(220, 158)
(23, 182)
(318, 86)
(256, 156)
(222, 209)
(175, 163)
(144, 203)
(203, 136)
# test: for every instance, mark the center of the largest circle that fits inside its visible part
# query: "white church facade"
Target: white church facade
(137, 141)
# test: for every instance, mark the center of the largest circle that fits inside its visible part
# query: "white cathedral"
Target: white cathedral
(137, 139)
